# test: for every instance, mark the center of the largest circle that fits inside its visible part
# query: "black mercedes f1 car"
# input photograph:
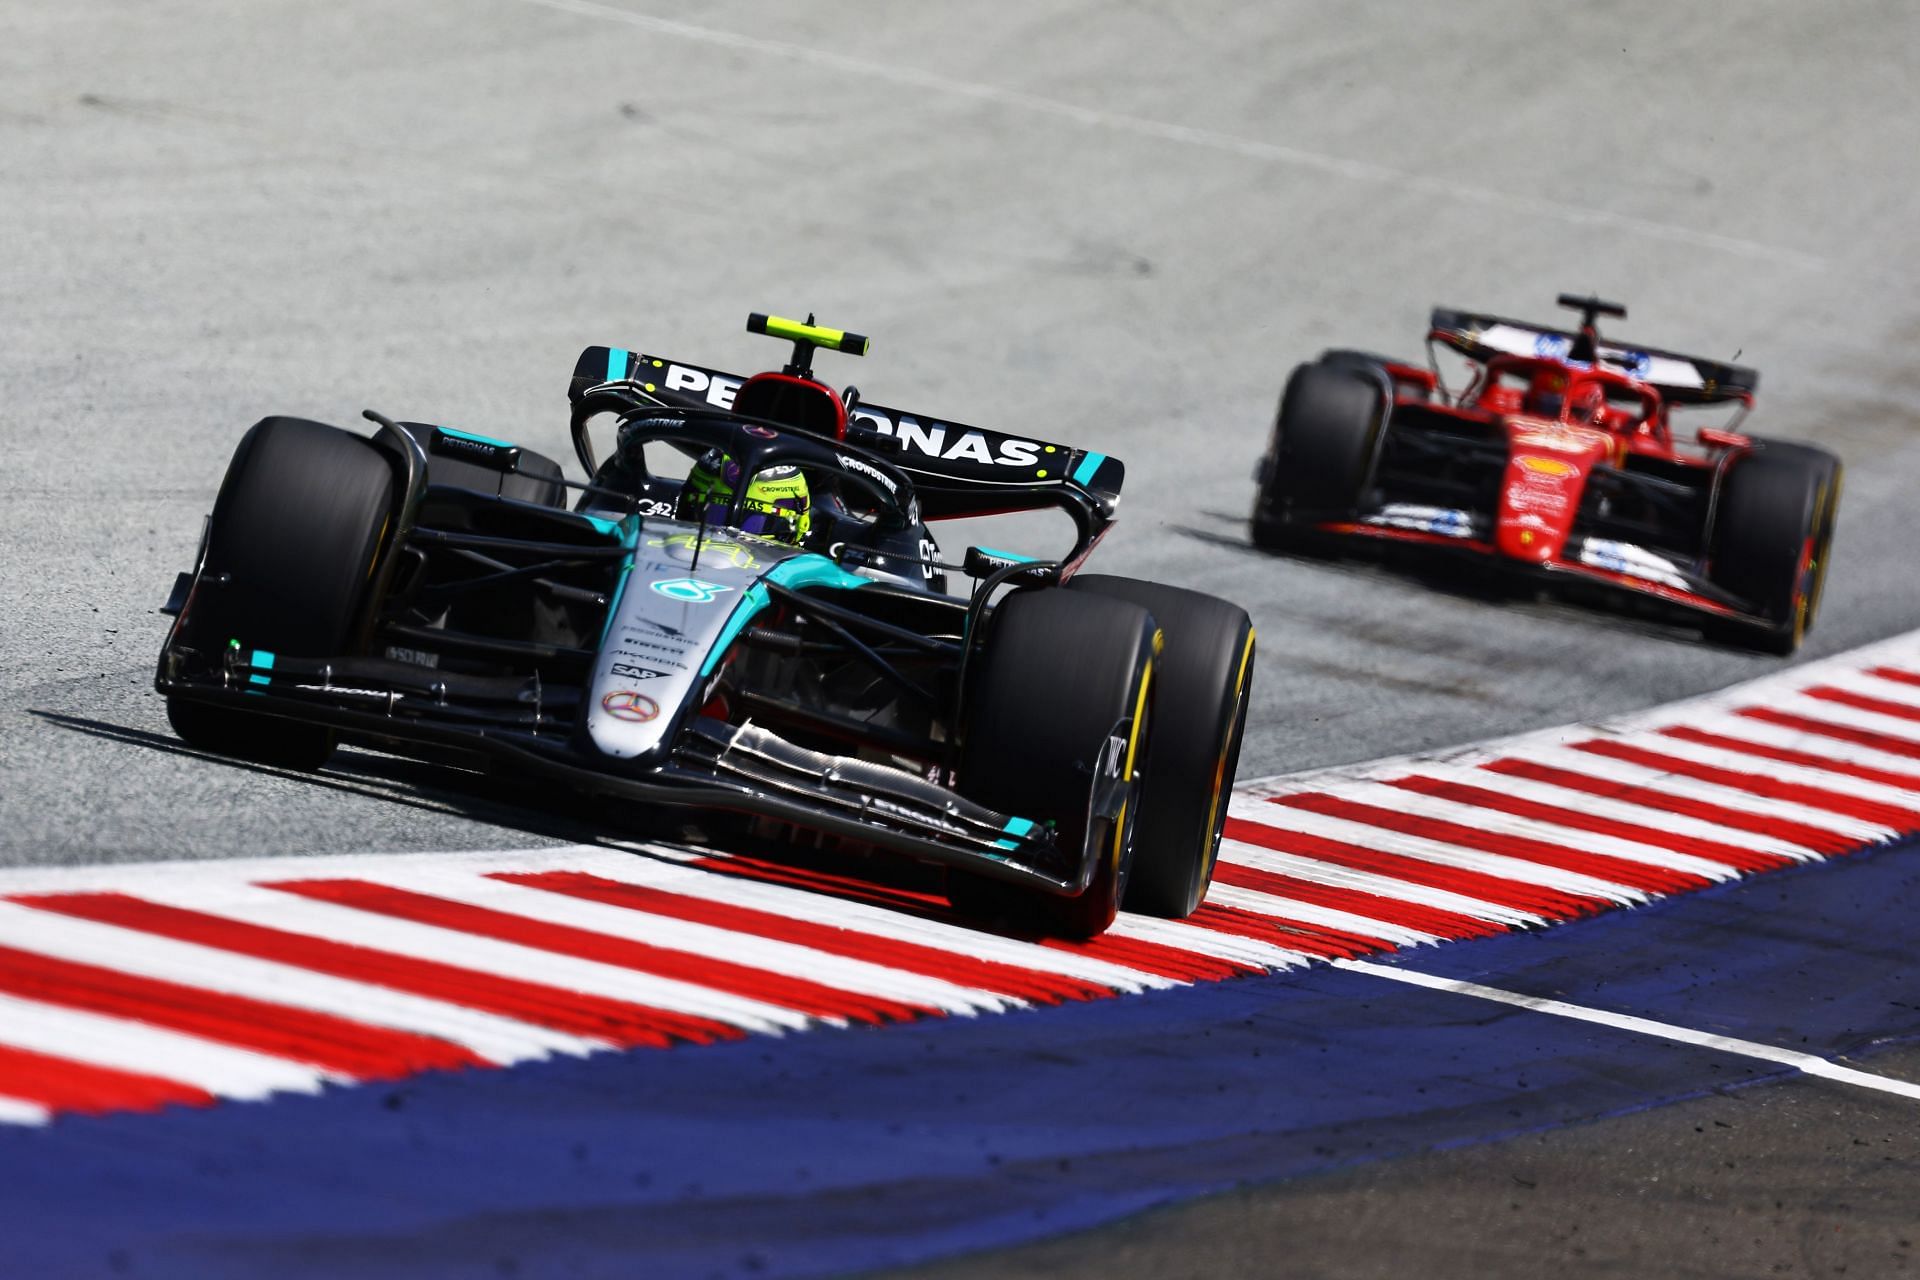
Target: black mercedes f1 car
(669, 633)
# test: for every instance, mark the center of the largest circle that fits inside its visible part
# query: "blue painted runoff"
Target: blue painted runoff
(839, 1150)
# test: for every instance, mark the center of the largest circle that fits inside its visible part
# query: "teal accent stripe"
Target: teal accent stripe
(260, 658)
(616, 364)
(1083, 473)
(477, 439)
(629, 531)
(1016, 828)
(808, 570)
(1014, 556)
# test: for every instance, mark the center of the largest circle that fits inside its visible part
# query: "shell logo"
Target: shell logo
(1547, 466)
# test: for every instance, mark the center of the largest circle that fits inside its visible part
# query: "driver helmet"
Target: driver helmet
(775, 504)
(1546, 394)
(1590, 407)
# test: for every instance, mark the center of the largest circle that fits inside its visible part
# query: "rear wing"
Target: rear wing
(957, 470)
(1680, 379)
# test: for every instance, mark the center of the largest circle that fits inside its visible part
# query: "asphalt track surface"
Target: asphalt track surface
(1113, 225)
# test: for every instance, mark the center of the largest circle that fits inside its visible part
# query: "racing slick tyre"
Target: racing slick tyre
(1062, 675)
(1321, 458)
(1374, 366)
(1772, 538)
(290, 549)
(1203, 680)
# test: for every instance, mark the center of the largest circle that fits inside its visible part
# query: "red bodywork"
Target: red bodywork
(1551, 447)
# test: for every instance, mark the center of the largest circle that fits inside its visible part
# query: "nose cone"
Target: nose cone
(1539, 500)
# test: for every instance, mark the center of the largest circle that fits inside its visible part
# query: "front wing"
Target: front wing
(714, 766)
(1615, 566)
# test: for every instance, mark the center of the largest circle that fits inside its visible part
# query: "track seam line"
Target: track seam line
(1189, 135)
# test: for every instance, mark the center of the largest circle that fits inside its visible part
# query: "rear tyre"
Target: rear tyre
(1772, 538)
(1062, 674)
(1203, 680)
(1320, 460)
(290, 550)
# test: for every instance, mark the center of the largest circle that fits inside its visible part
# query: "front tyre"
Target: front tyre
(1772, 538)
(1205, 677)
(1320, 461)
(290, 553)
(1056, 730)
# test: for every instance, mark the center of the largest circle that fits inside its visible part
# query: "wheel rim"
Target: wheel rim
(1812, 574)
(1123, 823)
(1227, 759)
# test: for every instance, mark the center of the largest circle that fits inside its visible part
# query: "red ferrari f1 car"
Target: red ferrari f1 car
(1558, 458)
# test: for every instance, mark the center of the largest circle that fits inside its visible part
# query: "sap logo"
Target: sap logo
(969, 446)
(718, 388)
(689, 590)
(629, 671)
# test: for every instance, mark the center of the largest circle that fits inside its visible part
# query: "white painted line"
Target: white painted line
(1186, 135)
(15, 1111)
(1809, 1064)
